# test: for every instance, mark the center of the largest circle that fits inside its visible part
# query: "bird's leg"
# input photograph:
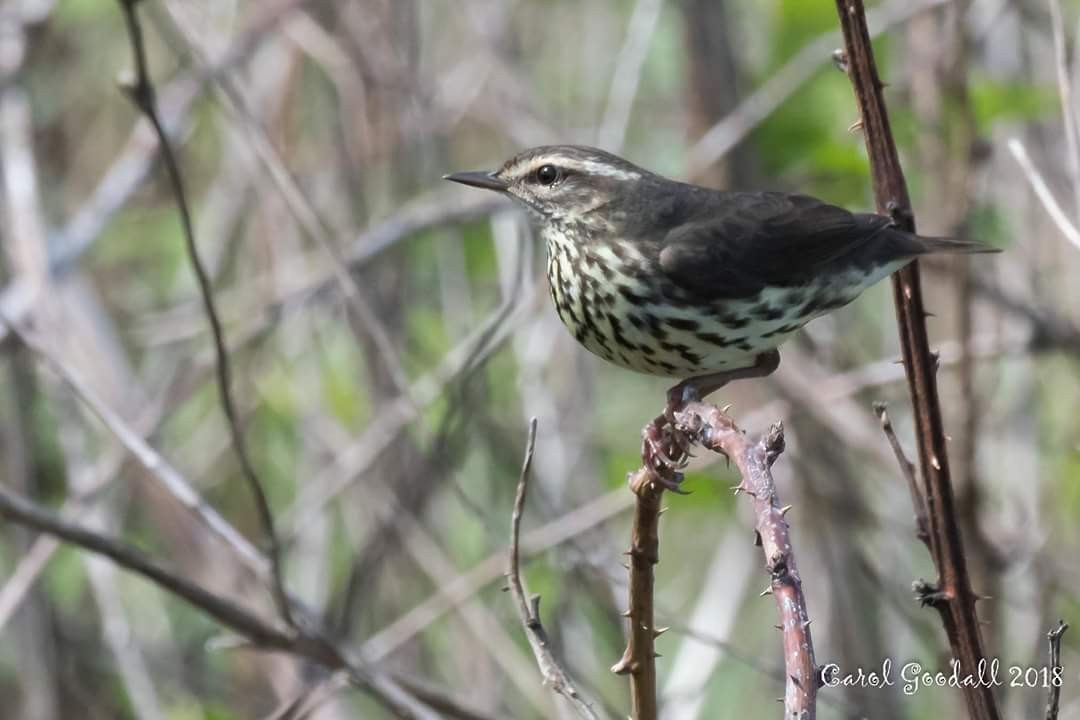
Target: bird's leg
(665, 448)
(698, 388)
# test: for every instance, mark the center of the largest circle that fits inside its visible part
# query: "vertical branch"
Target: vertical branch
(1056, 672)
(953, 596)
(141, 92)
(639, 659)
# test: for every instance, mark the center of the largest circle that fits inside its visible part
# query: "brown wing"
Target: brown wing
(753, 240)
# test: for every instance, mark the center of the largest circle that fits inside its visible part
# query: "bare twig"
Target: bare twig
(450, 595)
(529, 607)
(1056, 673)
(639, 659)
(16, 509)
(953, 596)
(141, 92)
(1038, 185)
(907, 469)
(713, 429)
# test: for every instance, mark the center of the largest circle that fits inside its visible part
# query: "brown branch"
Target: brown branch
(1056, 672)
(529, 607)
(907, 469)
(639, 658)
(141, 92)
(713, 429)
(953, 596)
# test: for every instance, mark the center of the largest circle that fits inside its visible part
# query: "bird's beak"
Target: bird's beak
(480, 179)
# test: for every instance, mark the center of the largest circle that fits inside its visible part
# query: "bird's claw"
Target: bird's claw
(665, 452)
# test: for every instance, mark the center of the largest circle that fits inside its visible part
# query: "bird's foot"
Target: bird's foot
(665, 449)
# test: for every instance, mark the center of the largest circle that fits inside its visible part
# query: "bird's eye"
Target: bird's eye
(547, 174)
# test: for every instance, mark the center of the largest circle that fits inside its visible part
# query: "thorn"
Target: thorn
(625, 613)
(766, 591)
(660, 631)
(626, 565)
(795, 680)
(504, 588)
(839, 58)
(778, 627)
(661, 511)
(806, 623)
(727, 407)
(928, 314)
(656, 655)
(624, 665)
(855, 126)
(737, 488)
(784, 510)
(934, 462)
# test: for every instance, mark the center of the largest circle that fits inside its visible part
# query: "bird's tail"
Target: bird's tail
(953, 246)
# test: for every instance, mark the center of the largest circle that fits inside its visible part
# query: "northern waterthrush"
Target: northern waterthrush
(679, 280)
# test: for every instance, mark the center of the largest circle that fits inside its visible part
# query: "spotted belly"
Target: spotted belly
(624, 311)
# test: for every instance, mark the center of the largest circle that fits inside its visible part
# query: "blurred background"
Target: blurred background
(391, 335)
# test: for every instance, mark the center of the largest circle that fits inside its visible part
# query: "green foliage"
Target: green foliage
(996, 101)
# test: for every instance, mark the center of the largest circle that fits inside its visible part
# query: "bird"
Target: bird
(678, 280)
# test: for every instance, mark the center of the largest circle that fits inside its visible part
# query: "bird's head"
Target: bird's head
(562, 183)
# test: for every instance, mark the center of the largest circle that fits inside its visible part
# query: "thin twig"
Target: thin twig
(952, 596)
(710, 427)
(16, 509)
(1042, 191)
(529, 607)
(449, 595)
(907, 469)
(1057, 673)
(141, 92)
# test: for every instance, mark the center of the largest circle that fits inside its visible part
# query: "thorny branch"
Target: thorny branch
(713, 429)
(141, 92)
(639, 658)
(1054, 640)
(528, 608)
(953, 596)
